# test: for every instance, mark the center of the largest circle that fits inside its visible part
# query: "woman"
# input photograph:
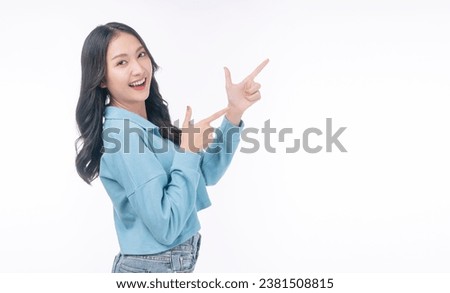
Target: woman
(155, 173)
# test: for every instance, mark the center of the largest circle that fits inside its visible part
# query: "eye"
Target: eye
(121, 62)
(142, 54)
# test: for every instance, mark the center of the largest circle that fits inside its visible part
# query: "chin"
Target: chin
(141, 96)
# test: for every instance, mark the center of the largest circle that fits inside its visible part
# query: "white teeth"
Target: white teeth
(138, 83)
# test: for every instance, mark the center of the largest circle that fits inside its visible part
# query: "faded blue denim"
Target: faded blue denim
(180, 259)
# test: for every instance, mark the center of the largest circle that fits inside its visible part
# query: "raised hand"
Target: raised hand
(242, 95)
(195, 137)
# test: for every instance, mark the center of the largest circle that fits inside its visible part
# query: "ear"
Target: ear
(103, 84)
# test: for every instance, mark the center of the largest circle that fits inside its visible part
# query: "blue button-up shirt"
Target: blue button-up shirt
(156, 189)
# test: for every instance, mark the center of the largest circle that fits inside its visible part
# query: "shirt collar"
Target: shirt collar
(112, 112)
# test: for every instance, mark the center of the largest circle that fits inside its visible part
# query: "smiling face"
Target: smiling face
(128, 72)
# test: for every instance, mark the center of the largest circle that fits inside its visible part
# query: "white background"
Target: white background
(379, 68)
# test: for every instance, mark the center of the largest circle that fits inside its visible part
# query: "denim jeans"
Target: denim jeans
(180, 259)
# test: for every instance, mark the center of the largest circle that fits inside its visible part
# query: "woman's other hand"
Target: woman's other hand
(196, 137)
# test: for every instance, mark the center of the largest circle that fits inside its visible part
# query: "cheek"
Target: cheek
(116, 83)
(115, 78)
(148, 65)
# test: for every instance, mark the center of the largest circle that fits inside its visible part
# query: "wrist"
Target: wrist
(234, 116)
(187, 149)
(186, 145)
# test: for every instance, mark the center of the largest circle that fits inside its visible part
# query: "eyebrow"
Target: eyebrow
(123, 54)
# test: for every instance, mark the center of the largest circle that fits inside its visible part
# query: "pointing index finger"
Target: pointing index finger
(257, 70)
(216, 115)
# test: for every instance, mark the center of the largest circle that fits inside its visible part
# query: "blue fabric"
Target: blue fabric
(156, 189)
(179, 259)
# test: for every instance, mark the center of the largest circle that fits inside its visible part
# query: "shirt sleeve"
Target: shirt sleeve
(217, 157)
(164, 202)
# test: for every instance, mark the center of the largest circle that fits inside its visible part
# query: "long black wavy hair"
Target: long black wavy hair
(93, 100)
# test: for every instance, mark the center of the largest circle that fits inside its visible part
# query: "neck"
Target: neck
(137, 108)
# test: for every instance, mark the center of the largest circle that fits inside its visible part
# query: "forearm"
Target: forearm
(217, 157)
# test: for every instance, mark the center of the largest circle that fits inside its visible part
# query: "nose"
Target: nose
(136, 68)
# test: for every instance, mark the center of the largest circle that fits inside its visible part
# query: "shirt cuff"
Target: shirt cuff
(227, 125)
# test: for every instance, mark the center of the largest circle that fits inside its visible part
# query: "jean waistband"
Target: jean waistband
(195, 239)
(191, 243)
